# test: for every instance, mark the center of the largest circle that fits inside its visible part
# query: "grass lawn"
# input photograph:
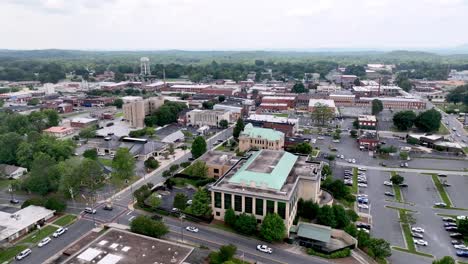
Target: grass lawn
(4, 184)
(355, 181)
(65, 220)
(9, 253)
(120, 114)
(105, 162)
(181, 182)
(315, 152)
(440, 188)
(397, 190)
(465, 149)
(408, 238)
(281, 115)
(400, 209)
(443, 130)
(38, 235)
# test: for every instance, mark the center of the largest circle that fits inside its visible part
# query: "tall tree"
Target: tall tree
(9, 144)
(198, 147)
(148, 227)
(322, 114)
(428, 121)
(380, 248)
(404, 120)
(377, 106)
(200, 203)
(272, 228)
(44, 177)
(299, 88)
(238, 128)
(123, 164)
(198, 169)
(180, 201)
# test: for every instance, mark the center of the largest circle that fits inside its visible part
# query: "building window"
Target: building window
(270, 207)
(258, 206)
(238, 203)
(216, 170)
(282, 209)
(227, 201)
(248, 204)
(217, 197)
(218, 214)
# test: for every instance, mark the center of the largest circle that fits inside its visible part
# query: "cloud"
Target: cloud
(227, 24)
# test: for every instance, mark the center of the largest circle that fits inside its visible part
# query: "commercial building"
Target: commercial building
(11, 172)
(328, 88)
(368, 140)
(210, 118)
(185, 88)
(271, 108)
(367, 121)
(139, 148)
(437, 142)
(59, 131)
(81, 122)
(393, 102)
(343, 99)
(286, 125)
(290, 101)
(218, 162)
(326, 102)
(237, 107)
(115, 246)
(323, 238)
(268, 181)
(136, 109)
(260, 138)
(14, 225)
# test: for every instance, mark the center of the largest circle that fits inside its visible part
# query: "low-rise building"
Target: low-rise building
(393, 102)
(288, 126)
(260, 138)
(268, 181)
(326, 102)
(141, 149)
(210, 118)
(367, 121)
(271, 108)
(328, 88)
(290, 101)
(81, 122)
(368, 140)
(11, 171)
(218, 162)
(14, 225)
(59, 131)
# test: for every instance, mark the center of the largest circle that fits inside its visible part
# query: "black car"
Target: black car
(456, 242)
(456, 235)
(14, 201)
(156, 217)
(450, 224)
(451, 228)
(403, 185)
(363, 225)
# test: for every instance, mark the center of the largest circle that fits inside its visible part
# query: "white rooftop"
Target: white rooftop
(278, 98)
(83, 120)
(368, 118)
(273, 119)
(327, 102)
(10, 224)
(191, 86)
(89, 254)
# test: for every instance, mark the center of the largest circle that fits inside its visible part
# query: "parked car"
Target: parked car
(403, 185)
(462, 253)
(450, 224)
(456, 242)
(363, 225)
(60, 232)
(449, 219)
(388, 183)
(456, 235)
(264, 249)
(362, 169)
(389, 194)
(461, 217)
(416, 235)
(420, 242)
(89, 210)
(363, 230)
(108, 207)
(14, 201)
(460, 246)
(442, 175)
(363, 206)
(23, 254)
(192, 229)
(440, 204)
(417, 229)
(451, 228)
(44, 242)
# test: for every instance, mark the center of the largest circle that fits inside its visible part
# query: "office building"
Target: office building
(136, 109)
(260, 138)
(210, 118)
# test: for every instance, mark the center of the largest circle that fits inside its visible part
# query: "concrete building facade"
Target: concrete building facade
(137, 109)
(260, 138)
(210, 118)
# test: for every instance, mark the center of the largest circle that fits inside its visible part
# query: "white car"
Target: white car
(363, 206)
(364, 230)
(420, 242)
(341, 156)
(440, 204)
(264, 249)
(44, 242)
(417, 229)
(362, 185)
(461, 217)
(363, 195)
(89, 210)
(461, 247)
(320, 138)
(362, 169)
(23, 254)
(192, 229)
(353, 161)
(60, 232)
(388, 183)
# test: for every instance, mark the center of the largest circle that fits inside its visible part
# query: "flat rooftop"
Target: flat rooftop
(219, 158)
(268, 172)
(13, 223)
(123, 247)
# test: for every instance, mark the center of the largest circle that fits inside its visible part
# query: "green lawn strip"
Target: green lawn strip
(105, 162)
(450, 208)
(399, 208)
(397, 190)
(408, 238)
(11, 252)
(355, 181)
(281, 115)
(38, 235)
(443, 129)
(315, 153)
(65, 220)
(447, 215)
(395, 201)
(412, 252)
(443, 194)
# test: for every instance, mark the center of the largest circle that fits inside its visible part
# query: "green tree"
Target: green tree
(55, 203)
(309, 210)
(2, 102)
(88, 132)
(224, 255)
(198, 147)
(357, 70)
(201, 205)
(44, 176)
(39, 201)
(299, 88)
(223, 123)
(363, 238)
(71, 177)
(403, 82)
(444, 260)
(326, 216)
(377, 106)
(146, 226)
(341, 216)
(118, 103)
(151, 163)
(221, 98)
(404, 120)
(458, 95)
(230, 217)
(171, 149)
(353, 133)
(153, 201)
(351, 229)
(9, 144)
(238, 128)
(397, 179)
(180, 201)
(462, 226)
(53, 118)
(322, 114)
(34, 101)
(303, 148)
(272, 228)
(379, 249)
(428, 121)
(246, 224)
(142, 193)
(404, 155)
(90, 154)
(123, 164)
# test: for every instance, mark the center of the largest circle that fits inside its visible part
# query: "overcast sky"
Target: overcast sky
(232, 24)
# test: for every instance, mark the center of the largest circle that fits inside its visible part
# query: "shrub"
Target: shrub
(146, 226)
(185, 164)
(55, 203)
(338, 254)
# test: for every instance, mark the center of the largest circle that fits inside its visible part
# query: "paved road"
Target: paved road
(76, 230)
(341, 163)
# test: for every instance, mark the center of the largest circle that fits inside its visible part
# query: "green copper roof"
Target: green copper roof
(258, 132)
(314, 232)
(271, 169)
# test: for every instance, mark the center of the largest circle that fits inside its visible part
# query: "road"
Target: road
(341, 163)
(459, 135)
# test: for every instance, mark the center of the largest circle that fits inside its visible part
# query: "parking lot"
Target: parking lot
(457, 190)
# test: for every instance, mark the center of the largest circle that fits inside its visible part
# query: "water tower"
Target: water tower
(145, 66)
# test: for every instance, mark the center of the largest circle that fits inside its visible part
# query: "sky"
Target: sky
(232, 24)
